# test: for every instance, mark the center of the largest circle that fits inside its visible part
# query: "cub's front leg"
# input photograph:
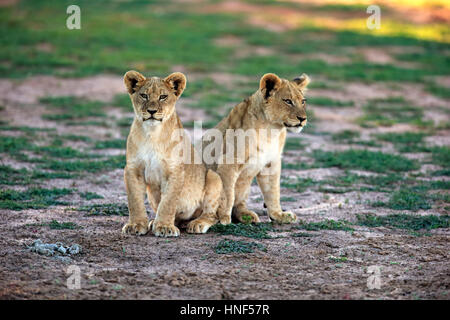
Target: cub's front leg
(269, 182)
(135, 186)
(164, 223)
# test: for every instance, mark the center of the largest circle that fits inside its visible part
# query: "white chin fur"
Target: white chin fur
(151, 123)
(295, 129)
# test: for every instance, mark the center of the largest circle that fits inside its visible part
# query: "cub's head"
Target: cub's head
(284, 102)
(154, 98)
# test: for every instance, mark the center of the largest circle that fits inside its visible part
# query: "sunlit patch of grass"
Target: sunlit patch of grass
(232, 246)
(405, 221)
(365, 160)
(33, 198)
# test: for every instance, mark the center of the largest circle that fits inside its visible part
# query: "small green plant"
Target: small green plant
(326, 225)
(90, 195)
(54, 224)
(256, 231)
(231, 246)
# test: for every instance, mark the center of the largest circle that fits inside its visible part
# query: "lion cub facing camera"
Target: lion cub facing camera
(177, 191)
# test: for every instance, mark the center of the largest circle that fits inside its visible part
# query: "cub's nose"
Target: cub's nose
(301, 119)
(152, 112)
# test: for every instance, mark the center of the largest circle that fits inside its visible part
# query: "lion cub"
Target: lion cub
(276, 107)
(176, 191)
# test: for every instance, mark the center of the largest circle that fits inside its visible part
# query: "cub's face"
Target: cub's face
(154, 98)
(284, 101)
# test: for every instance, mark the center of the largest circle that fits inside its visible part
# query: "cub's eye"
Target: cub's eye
(163, 97)
(288, 101)
(144, 96)
(304, 102)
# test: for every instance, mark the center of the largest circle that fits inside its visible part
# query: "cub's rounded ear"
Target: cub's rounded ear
(302, 81)
(177, 82)
(269, 83)
(133, 81)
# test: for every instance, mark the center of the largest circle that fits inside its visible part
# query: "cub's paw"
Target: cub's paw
(161, 229)
(247, 217)
(139, 228)
(198, 226)
(283, 217)
(225, 219)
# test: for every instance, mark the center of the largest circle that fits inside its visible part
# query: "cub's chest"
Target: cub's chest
(153, 164)
(267, 152)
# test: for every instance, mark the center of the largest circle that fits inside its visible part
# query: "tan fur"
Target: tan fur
(176, 191)
(267, 108)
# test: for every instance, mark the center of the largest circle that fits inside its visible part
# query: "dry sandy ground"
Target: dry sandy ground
(113, 265)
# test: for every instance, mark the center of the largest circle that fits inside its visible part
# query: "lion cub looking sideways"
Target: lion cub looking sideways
(176, 191)
(276, 107)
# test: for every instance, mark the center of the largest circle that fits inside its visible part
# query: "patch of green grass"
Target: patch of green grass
(437, 90)
(441, 156)
(90, 195)
(287, 199)
(111, 144)
(405, 221)
(326, 225)
(406, 199)
(301, 185)
(12, 145)
(111, 163)
(406, 141)
(108, 209)
(294, 144)
(54, 224)
(328, 102)
(73, 108)
(74, 137)
(302, 235)
(345, 135)
(5, 127)
(387, 112)
(33, 198)
(350, 136)
(256, 231)
(365, 160)
(231, 246)
(11, 176)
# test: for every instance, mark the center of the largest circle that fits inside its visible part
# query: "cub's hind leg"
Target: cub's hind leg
(211, 201)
